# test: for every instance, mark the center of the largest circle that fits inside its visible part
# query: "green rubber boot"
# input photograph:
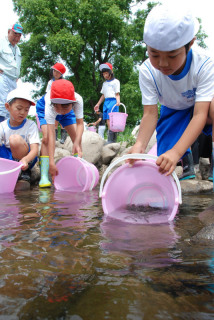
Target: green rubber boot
(44, 168)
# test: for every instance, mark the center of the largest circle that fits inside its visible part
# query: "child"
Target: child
(181, 79)
(56, 73)
(19, 137)
(63, 104)
(111, 94)
(101, 122)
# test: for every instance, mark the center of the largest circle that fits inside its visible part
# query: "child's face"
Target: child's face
(106, 75)
(18, 111)
(56, 74)
(63, 108)
(168, 62)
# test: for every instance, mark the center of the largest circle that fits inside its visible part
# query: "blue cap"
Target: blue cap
(17, 28)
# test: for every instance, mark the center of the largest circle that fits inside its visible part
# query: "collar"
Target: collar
(185, 69)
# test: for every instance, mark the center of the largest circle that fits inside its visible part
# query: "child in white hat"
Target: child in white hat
(19, 136)
(110, 96)
(181, 80)
(65, 105)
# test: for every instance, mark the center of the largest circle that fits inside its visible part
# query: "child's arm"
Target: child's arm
(102, 98)
(34, 150)
(51, 149)
(94, 123)
(147, 128)
(78, 139)
(118, 98)
(168, 160)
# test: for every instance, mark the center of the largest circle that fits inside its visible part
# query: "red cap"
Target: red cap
(62, 92)
(106, 65)
(59, 67)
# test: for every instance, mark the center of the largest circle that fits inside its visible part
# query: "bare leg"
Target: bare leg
(18, 146)
(44, 145)
(71, 130)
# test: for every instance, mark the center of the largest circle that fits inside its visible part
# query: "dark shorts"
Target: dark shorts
(171, 126)
(107, 107)
(40, 110)
(7, 154)
(66, 119)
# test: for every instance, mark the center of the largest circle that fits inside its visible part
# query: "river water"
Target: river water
(61, 258)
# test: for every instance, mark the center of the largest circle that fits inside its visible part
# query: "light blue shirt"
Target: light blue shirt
(10, 59)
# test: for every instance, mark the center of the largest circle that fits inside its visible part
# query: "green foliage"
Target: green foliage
(83, 34)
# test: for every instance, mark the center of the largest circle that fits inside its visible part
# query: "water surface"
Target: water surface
(61, 258)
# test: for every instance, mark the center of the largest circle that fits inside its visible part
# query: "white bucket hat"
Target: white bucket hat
(169, 27)
(20, 93)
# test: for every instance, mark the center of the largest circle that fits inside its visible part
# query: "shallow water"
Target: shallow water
(62, 259)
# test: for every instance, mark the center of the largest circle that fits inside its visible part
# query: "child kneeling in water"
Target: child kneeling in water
(19, 136)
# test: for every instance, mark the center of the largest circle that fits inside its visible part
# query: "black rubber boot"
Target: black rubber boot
(210, 178)
(111, 137)
(115, 136)
(56, 131)
(63, 136)
(188, 167)
(25, 175)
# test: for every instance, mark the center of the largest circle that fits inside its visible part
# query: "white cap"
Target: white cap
(20, 94)
(169, 27)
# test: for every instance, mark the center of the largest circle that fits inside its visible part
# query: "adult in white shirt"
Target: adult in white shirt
(10, 63)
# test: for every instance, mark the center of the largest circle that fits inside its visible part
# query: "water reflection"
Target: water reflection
(150, 244)
(9, 215)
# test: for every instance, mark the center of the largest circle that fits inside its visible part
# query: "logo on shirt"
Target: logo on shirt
(189, 94)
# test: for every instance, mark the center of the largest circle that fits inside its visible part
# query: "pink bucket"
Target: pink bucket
(9, 172)
(92, 128)
(117, 120)
(75, 175)
(140, 194)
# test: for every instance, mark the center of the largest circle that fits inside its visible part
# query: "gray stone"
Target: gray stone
(206, 233)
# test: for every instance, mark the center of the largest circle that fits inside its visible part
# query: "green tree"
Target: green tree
(83, 34)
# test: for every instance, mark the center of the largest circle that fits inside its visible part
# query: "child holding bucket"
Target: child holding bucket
(63, 104)
(182, 80)
(57, 72)
(19, 136)
(110, 95)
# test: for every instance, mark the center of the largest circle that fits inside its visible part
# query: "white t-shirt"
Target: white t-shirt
(48, 88)
(10, 62)
(51, 114)
(27, 130)
(110, 88)
(195, 83)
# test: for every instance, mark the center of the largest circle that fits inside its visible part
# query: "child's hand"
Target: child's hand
(137, 148)
(53, 171)
(77, 150)
(25, 164)
(167, 162)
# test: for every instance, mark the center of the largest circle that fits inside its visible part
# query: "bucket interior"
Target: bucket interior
(8, 180)
(73, 175)
(140, 194)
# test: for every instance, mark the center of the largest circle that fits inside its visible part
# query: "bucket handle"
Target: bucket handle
(141, 157)
(12, 170)
(120, 105)
(88, 163)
